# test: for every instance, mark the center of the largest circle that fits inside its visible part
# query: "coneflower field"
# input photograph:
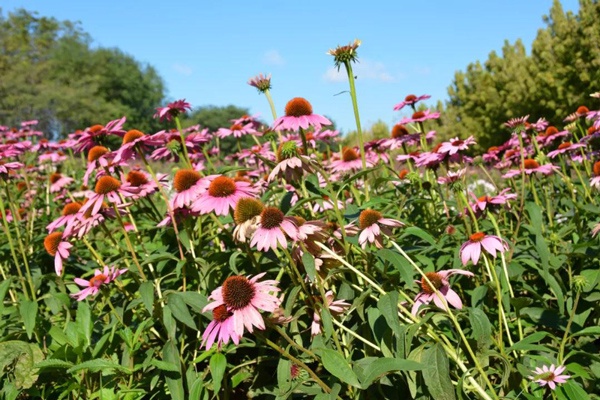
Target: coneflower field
(153, 265)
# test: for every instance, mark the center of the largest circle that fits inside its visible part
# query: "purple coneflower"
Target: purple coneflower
(549, 376)
(93, 285)
(439, 280)
(189, 185)
(410, 100)
(299, 114)
(335, 307)
(237, 131)
(350, 161)
(420, 116)
(58, 248)
(172, 110)
(69, 213)
(247, 218)
(372, 224)
(471, 249)
(564, 148)
(274, 226)
(221, 328)
(222, 194)
(455, 145)
(244, 298)
(108, 189)
(532, 166)
(58, 182)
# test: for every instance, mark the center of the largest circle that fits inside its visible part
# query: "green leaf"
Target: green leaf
(388, 306)
(574, 391)
(399, 262)
(590, 330)
(308, 260)
(175, 381)
(84, 322)
(284, 376)
(28, 310)
(437, 375)
(383, 366)
(164, 366)
(527, 342)
(54, 363)
(482, 328)
(23, 357)
(147, 294)
(180, 310)
(218, 365)
(99, 364)
(420, 233)
(337, 365)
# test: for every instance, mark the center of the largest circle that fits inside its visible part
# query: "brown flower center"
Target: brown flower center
(271, 217)
(530, 164)
(477, 237)
(418, 114)
(458, 142)
(96, 152)
(597, 168)
(402, 174)
(107, 184)
(349, 154)
(131, 135)
(95, 128)
(410, 98)
(236, 127)
(398, 131)
(136, 178)
(246, 209)
(493, 149)
(52, 241)
(55, 178)
(238, 292)
(487, 199)
(71, 208)
(185, 179)
(222, 186)
(435, 279)
(582, 110)
(551, 130)
(97, 280)
(220, 313)
(297, 107)
(564, 145)
(368, 217)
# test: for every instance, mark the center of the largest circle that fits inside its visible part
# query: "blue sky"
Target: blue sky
(207, 51)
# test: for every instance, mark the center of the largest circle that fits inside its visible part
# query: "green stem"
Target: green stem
(182, 139)
(561, 351)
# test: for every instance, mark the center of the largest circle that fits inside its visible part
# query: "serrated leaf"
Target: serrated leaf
(218, 365)
(337, 365)
(437, 375)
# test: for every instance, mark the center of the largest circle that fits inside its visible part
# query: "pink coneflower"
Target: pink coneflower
(136, 139)
(335, 307)
(172, 110)
(372, 224)
(108, 189)
(95, 134)
(550, 135)
(290, 163)
(189, 186)
(471, 249)
(420, 116)
(58, 182)
(261, 82)
(6, 168)
(564, 148)
(549, 376)
(299, 114)
(93, 285)
(595, 181)
(350, 161)
(517, 124)
(69, 213)
(455, 145)
(410, 100)
(144, 182)
(532, 166)
(581, 111)
(221, 328)
(59, 249)
(244, 298)
(481, 203)
(451, 177)
(274, 226)
(222, 194)
(439, 280)
(237, 131)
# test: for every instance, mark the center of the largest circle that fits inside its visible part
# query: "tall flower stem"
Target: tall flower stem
(128, 242)
(182, 138)
(12, 248)
(361, 142)
(563, 342)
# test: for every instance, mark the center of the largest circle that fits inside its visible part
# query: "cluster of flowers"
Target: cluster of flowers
(123, 177)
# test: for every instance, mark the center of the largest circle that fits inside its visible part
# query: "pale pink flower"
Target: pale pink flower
(69, 213)
(291, 169)
(5, 168)
(58, 182)
(244, 298)
(101, 277)
(108, 189)
(420, 116)
(455, 145)
(237, 131)
(298, 114)
(350, 161)
(564, 148)
(335, 307)
(372, 224)
(172, 110)
(274, 226)
(189, 185)
(440, 282)
(261, 82)
(222, 195)
(532, 166)
(452, 177)
(58, 248)
(549, 376)
(410, 100)
(482, 202)
(471, 249)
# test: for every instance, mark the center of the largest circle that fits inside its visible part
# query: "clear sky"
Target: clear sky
(207, 50)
